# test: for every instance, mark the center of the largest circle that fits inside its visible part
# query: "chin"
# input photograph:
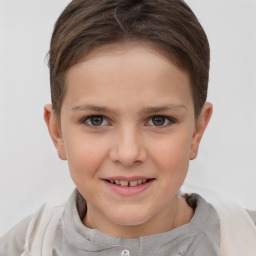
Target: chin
(130, 219)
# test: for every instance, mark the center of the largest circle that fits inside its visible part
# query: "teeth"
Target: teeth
(124, 183)
(133, 183)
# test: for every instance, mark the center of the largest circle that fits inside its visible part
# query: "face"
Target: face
(128, 132)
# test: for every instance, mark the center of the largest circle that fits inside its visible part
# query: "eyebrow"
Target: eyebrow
(170, 107)
(145, 110)
(93, 108)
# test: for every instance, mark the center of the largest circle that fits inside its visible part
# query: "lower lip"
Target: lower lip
(129, 191)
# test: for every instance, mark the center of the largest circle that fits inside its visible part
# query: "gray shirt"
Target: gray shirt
(199, 237)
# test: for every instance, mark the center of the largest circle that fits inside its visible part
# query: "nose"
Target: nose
(128, 148)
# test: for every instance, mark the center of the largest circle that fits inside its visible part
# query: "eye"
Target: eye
(94, 121)
(161, 121)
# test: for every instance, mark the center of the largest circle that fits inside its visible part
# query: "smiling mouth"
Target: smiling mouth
(125, 183)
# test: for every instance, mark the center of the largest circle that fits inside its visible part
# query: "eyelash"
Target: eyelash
(168, 119)
(83, 121)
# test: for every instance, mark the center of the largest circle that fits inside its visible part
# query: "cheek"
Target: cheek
(172, 154)
(84, 155)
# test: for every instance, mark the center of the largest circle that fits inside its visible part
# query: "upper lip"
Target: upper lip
(128, 178)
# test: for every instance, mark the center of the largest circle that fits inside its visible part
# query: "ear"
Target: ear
(201, 124)
(54, 131)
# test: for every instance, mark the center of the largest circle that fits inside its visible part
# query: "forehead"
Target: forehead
(123, 52)
(134, 71)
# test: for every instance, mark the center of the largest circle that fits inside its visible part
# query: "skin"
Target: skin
(128, 84)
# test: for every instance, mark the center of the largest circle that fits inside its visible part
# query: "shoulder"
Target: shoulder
(39, 227)
(237, 230)
(252, 214)
(12, 243)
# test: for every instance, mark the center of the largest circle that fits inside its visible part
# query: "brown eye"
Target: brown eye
(161, 121)
(96, 120)
(158, 120)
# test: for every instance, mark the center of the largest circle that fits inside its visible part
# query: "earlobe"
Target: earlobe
(201, 125)
(54, 131)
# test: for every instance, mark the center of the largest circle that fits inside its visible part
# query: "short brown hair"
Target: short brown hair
(169, 25)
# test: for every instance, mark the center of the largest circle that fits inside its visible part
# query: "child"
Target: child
(129, 85)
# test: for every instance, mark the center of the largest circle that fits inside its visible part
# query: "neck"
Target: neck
(175, 215)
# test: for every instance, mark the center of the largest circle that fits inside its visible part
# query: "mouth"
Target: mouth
(128, 183)
(129, 186)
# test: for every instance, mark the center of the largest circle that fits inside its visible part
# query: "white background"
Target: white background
(30, 171)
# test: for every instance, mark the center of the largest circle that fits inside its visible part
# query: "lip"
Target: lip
(129, 191)
(128, 178)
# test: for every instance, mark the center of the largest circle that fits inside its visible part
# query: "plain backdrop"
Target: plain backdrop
(30, 171)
